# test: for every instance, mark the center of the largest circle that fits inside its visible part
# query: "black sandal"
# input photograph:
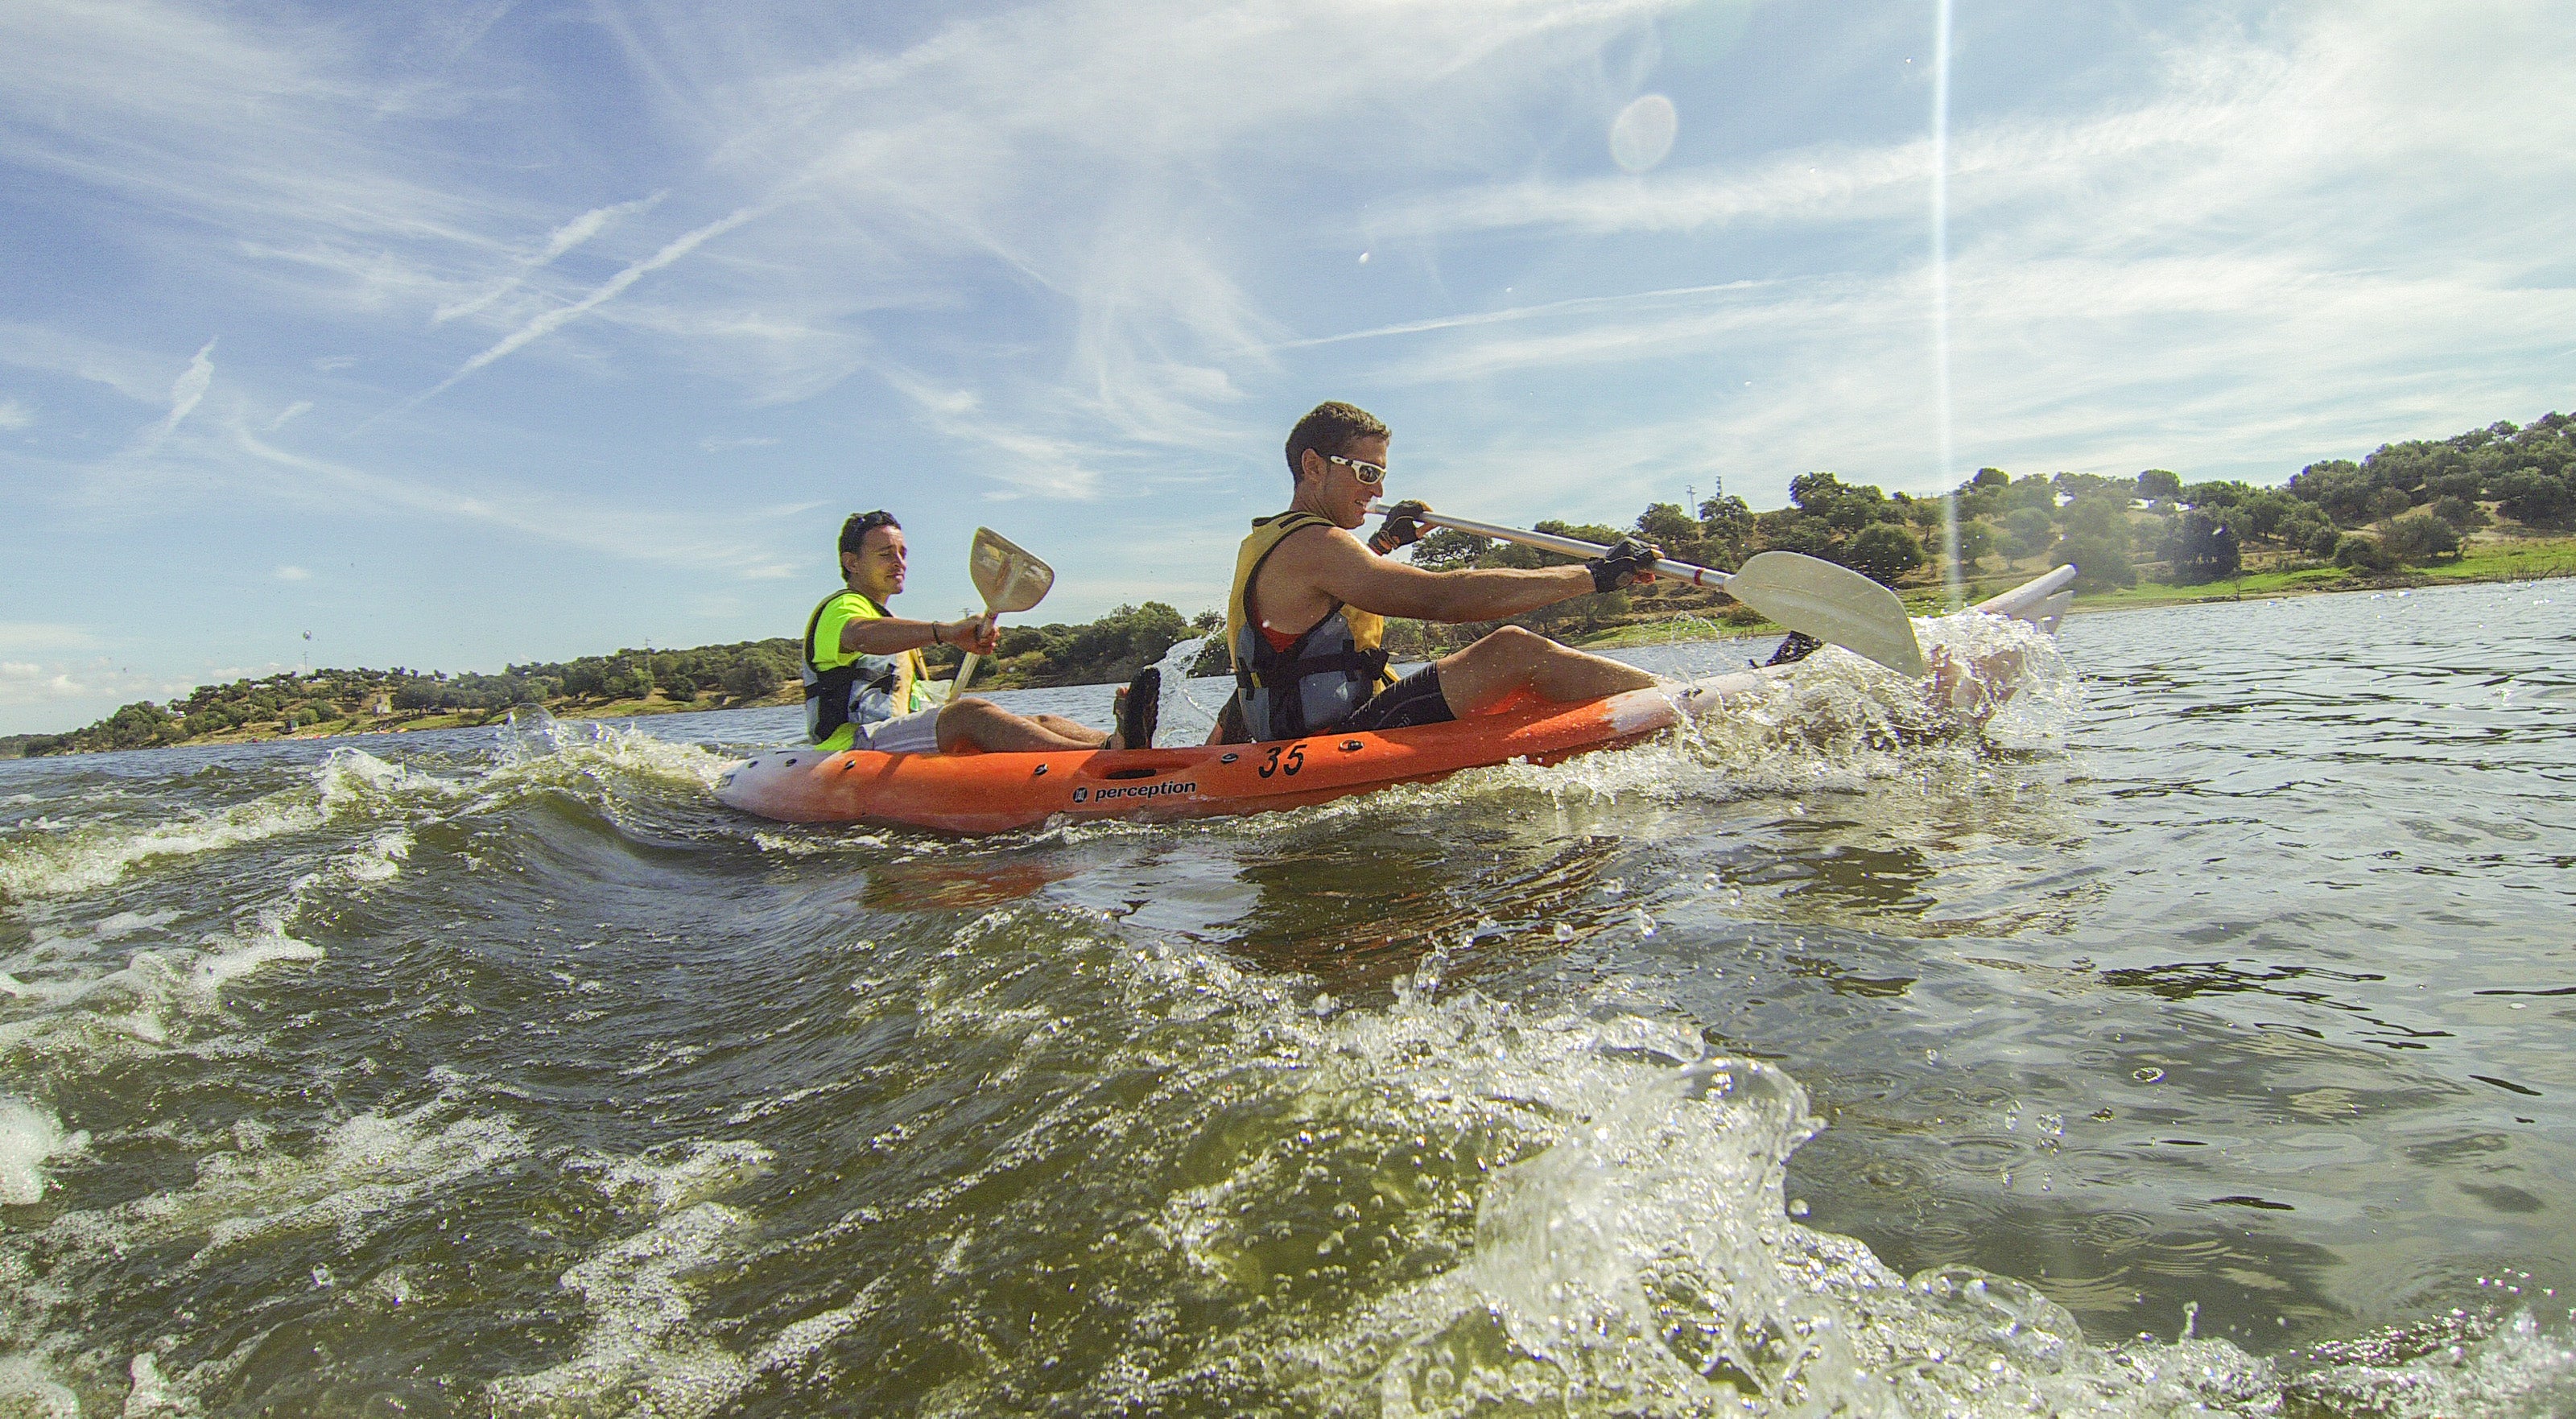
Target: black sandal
(1797, 647)
(1140, 709)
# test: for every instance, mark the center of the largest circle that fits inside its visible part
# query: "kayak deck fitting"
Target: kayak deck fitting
(971, 792)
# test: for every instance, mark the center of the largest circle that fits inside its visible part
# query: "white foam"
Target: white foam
(152, 1396)
(369, 1171)
(673, 1178)
(216, 969)
(643, 1353)
(786, 845)
(124, 924)
(27, 1388)
(2512, 1369)
(542, 751)
(28, 1136)
(1639, 1259)
(86, 859)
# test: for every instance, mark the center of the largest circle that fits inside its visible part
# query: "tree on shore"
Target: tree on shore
(2202, 548)
(2426, 496)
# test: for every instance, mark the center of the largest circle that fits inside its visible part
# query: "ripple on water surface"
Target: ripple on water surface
(505, 1074)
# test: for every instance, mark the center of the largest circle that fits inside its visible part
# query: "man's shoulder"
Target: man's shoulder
(1313, 543)
(843, 604)
(830, 615)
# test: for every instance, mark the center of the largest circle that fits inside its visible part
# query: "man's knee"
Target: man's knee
(1510, 644)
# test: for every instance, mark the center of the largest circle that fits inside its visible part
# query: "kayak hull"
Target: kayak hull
(992, 793)
(973, 793)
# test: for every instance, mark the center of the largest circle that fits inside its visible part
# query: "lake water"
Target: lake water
(2195, 1038)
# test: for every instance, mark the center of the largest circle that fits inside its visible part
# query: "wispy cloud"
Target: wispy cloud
(254, 126)
(60, 694)
(290, 572)
(563, 239)
(16, 414)
(1022, 462)
(137, 375)
(606, 291)
(690, 540)
(185, 393)
(24, 637)
(1091, 255)
(2108, 306)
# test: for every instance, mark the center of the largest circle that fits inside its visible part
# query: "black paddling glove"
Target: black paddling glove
(1401, 530)
(1623, 563)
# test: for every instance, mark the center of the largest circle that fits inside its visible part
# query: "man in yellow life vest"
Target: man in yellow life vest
(1310, 604)
(866, 686)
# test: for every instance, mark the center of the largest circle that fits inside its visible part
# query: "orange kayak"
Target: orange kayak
(990, 793)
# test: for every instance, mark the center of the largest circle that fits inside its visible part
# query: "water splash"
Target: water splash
(351, 782)
(1192, 727)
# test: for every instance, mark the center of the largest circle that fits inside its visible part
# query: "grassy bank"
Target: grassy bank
(2485, 559)
(1659, 615)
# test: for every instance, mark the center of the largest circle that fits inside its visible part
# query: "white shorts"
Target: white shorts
(914, 733)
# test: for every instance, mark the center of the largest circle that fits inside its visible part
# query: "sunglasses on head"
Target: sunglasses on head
(1369, 474)
(867, 522)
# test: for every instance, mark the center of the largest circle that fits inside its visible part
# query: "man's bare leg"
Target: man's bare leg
(1514, 659)
(995, 730)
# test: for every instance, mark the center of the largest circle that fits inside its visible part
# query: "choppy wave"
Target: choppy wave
(349, 783)
(521, 1066)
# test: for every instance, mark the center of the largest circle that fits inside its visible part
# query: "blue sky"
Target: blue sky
(455, 334)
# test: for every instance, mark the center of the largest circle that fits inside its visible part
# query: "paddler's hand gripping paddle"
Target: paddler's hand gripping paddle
(1010, 579)
(1834, 604)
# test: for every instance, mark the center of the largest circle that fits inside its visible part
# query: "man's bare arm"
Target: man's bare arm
(889, 635)
(1349, 571)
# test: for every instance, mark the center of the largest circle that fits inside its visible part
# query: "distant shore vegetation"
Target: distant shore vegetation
(2489, 504)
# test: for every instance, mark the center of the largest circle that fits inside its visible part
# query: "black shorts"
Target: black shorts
(1415, 699)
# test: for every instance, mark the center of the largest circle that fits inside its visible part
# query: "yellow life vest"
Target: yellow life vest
(1325, 675)
(866, 688)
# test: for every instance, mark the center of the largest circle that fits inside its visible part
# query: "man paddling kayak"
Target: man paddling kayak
(866, 685)
(1310, 603)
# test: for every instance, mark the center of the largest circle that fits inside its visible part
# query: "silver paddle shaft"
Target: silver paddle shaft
(1570, 546)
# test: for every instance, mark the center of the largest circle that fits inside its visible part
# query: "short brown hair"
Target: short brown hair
(854, 533)
(1330, 428)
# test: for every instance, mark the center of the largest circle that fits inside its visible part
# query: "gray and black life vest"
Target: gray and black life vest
(1324, 676)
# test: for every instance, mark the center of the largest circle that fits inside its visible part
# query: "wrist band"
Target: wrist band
(934, 634)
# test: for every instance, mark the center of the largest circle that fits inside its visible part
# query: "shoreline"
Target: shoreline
(2488, 564)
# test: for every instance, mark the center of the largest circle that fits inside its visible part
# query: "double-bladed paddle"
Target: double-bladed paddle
(1009, 578)
(1832, 603)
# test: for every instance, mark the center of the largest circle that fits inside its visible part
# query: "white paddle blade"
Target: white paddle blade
(1834, 604)
(1009, 578)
